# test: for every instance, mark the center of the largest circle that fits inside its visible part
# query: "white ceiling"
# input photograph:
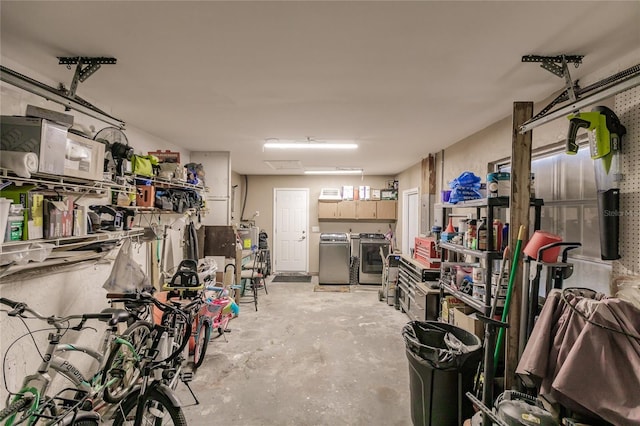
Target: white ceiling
(402, 79)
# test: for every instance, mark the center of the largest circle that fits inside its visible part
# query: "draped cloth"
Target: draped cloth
(584, 367)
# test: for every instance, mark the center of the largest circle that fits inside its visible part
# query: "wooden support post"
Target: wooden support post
(154, 265)
(427, 189)
(519, 215)
(428, 183)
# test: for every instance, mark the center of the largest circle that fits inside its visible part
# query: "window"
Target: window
(567, 185)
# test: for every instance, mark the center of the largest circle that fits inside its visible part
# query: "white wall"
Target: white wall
(408, 179)
(217, 180)
(260, 198)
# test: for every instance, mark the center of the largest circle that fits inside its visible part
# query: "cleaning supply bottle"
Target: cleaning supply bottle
(471, 234)
(497, 235)
(482, 234)
(505, 236)
(462, 231)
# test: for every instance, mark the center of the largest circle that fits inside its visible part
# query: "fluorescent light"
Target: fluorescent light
(334, 172)
(309, 144)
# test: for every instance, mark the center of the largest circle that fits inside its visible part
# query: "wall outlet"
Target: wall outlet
(315, 229)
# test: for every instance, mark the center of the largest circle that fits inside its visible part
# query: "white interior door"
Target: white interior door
(290, 229)
(410, 219)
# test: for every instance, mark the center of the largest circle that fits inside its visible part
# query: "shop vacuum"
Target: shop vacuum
(515, 409)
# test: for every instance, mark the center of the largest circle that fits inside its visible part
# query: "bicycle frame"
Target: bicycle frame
(38, 384)
(96, 384)
(74, 375)
(215, 309)
(155, 374)
(35, 386)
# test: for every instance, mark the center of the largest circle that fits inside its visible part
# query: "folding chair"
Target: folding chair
(252, 276)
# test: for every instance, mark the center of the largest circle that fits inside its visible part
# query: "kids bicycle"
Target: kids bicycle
(216, 312)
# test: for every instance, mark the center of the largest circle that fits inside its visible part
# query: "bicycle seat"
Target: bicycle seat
(119, 315)
(186, 277)
(188, 265)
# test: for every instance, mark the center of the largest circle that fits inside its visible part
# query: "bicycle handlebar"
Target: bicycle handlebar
(9, 302)
(141, 296)
(186, 311)
(19, 308)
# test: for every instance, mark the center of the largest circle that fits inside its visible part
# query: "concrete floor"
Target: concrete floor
(306, 358)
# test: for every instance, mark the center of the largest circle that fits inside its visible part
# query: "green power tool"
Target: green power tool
(605, 143)
(606, 134)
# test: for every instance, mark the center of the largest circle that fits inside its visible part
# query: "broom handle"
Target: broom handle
(512, 278)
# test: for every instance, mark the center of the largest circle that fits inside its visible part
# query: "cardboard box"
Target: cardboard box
(375, 194)
(466, 319)
(364, 192)
(84, 158)
(388, 194)
(45, 138)
(58, 218)
(33, 209)
(145, 195)
(449, 303)
(347, 192)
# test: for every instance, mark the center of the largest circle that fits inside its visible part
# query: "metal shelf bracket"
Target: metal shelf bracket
(550, 63)
(85, 68)
(575, 97)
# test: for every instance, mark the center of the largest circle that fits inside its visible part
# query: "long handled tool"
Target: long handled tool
(512, 278)
(490, 325)
(503, 269)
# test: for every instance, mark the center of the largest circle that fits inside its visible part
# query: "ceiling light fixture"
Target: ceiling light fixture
(309, 143)
(334, 172)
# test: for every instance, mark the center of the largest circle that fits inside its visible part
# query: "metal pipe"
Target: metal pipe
(575, 106)
(524, 306)
(50, 94)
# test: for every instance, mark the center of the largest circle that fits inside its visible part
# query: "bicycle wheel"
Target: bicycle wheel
(19, 412)
(178, 332)
(158, 409)
(178, 343)
(202, 341)
(121, 370)
(17, 405)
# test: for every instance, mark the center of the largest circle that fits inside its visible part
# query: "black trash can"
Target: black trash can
(443, 360)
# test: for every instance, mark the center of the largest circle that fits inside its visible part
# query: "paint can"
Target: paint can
(498, 184)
